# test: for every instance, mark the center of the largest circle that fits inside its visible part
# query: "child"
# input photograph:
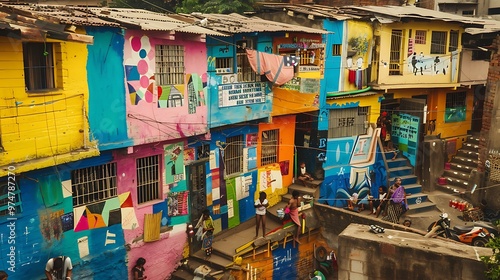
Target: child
(260, 213)
(303, 175)
(138, 270)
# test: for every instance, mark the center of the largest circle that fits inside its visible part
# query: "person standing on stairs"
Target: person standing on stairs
(293, 209)
(260, 213)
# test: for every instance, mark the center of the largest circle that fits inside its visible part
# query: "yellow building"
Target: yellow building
(43, 98)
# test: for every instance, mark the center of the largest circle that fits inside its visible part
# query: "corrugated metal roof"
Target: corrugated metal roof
(397, 13)
(65, 14)
(152, 21)
(235, 23)
(310, 9)
(490, 26)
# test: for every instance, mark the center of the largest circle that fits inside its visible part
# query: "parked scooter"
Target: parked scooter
(476, 235)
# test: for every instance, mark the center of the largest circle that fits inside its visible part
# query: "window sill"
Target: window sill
(44, 92)
(149, 203)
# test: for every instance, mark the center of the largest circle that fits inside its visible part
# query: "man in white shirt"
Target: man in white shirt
(59, 268)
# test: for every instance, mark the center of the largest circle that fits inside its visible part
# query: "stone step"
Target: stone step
(461, 167)
(468, 154)
(400, 171)
(420, 208)
(313, 191)
(451, 189)
(456, 175)
(457, 182)
(464, 161)
(470, 146)
(417, 198)
(473, 140)
(405, 180)
(413, 189)
(389, 155)
(398, 162)
(217, 260)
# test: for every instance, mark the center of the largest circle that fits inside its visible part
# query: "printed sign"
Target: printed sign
(241, 94)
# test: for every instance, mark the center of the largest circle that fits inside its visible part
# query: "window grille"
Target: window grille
(336, 49)
(455, 99)
(245, 72)
(148, 178)
(453, 40)
(270, 146)
(438, 42)
(233, 155)
(10, 199)
(348, 122)
(395, 52)
(420, 36)
(38, 66)
(224, 65)
(169, 65)
(93, 184)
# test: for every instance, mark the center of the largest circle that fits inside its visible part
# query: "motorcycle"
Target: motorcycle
(477, 235)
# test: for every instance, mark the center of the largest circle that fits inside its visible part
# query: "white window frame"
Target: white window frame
(94, 184)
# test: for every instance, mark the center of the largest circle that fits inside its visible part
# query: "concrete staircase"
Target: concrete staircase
(460, 166)
(400, 167)
(312, 191)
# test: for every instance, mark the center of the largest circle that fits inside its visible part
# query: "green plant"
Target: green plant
(493, 262)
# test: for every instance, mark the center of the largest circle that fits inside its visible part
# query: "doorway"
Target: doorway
(198, 198)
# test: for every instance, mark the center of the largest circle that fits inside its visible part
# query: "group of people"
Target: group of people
(391, 203)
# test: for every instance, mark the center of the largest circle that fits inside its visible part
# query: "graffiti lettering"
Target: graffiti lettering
(268, 49)
(360, 151)
(321, 157)
(224, 50)
(322, 143)
(287, 258)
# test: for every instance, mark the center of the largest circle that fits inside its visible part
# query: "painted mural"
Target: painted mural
(431, 65)
(356, 167)
(147, 101)
(359, 45)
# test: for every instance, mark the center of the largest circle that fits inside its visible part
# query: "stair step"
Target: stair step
(413, 189)
(451, 189)
(456, 174)
(457, 182)
(273, 213)
(417, 198)
(217, 260)
(401, 171)
(468, 154)
(419, 208)
(464, 161)
(398, 162)
(304, 190)
(470, 146)
(473, 140)
(460, 167)
(405, 180)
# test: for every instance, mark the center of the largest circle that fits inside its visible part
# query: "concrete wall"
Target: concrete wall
(433, 163)
(402, 255)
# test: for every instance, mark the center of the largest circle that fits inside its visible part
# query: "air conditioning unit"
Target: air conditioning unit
(229, 79)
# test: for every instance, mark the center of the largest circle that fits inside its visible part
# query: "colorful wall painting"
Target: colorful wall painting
(139, 69)
(178, 203)
(425, 64)
(285, 262)
(106, 213)
(404, 134)
(174, 163)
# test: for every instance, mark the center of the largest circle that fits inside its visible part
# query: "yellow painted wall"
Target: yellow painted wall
(36, 126)
(361, 101)
(359, 45)
(429, 77)
(436, 105)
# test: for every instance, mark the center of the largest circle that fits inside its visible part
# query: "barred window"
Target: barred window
(224, 65)
(438, 42)
(148, 179)
(245, 72)
(453, 40)
(348, 122)
(39, 70)
(395, 52)
(336, 49)
(10, 199)
(169, 65)
(270, 146)
(420, 36)
(93, 184)
(233, 155)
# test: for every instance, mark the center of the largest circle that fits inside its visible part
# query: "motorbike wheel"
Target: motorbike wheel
(479, 242)
(439, 232)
